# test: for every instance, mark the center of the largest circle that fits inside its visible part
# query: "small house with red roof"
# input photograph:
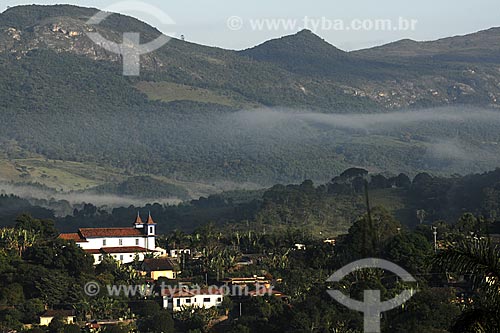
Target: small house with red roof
(68, 316)
(176, 299)
(155, 268)
(123, 244)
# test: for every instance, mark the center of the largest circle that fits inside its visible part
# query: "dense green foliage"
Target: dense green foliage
(38, 271)
(63, 98)
(302, 273)
(328, 209)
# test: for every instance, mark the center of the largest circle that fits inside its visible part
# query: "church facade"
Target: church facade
(123, 244)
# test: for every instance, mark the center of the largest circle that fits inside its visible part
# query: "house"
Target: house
(330, 241)
(299, 246)
(242, 281)
(155, 268)
(269, 291)
(175, 253)
(104, 325)
(93, 326)
(178, 298)
(68, 316)
(123, 244)
(244, 261)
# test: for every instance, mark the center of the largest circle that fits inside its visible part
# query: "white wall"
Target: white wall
(178, 252)
(198, 301)
(151, 243)
(97, 243)
(124, 258)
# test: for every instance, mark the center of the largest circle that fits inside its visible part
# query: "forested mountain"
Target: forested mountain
(325, 210)
(284, 111)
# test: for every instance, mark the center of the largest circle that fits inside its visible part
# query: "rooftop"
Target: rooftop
(73, 236)
(109, 232)
(266, 291)
(185, 292)
(158, 264)
(53, 313)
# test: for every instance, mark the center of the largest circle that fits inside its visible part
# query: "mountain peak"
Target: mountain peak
(302, 52)
(301, 39)
(305, 32)
(308, 38)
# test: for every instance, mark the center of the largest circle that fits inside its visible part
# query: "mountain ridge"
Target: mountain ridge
(194, 114)
(482, 40)
(289, 66)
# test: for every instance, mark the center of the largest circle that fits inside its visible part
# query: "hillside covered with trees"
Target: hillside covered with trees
(325, 209)
(289, 109)
(39, 271)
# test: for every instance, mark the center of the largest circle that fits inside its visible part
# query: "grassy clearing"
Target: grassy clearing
(60, 175)
(169, 92)
(75, 176)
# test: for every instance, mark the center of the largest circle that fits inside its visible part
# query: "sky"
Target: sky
(349, 25)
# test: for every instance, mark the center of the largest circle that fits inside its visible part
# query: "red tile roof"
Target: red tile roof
(109, 232)
(266, 291)
(179, 293)
(73, 236)
(158, 264)
(185, 292)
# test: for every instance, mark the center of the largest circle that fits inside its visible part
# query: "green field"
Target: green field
(170, 92)
(69, 176)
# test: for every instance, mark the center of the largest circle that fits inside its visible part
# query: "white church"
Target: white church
(123, 244)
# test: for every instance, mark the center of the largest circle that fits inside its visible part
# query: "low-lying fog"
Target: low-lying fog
(441, 141)
(271, 118)
(75, 199)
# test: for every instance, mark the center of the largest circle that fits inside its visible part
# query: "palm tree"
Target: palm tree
(26, 239)
(17, 239)
(481, 260)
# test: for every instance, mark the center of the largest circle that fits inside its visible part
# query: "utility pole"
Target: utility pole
(369, 240)
(435, 238)
(183, 260)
